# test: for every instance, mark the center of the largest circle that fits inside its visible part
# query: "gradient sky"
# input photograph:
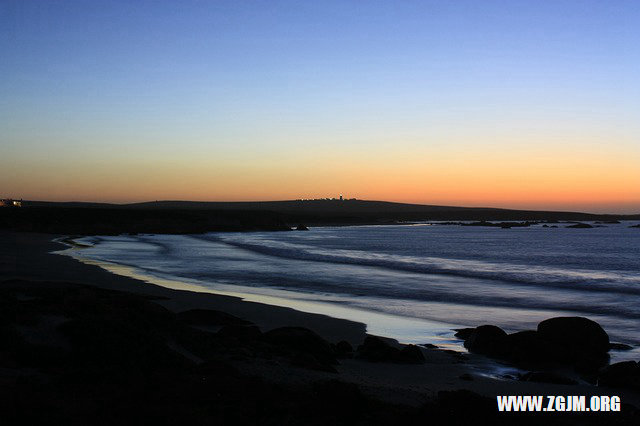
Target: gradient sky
(523, 104)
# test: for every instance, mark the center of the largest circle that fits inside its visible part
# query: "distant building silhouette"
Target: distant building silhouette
(341, 198)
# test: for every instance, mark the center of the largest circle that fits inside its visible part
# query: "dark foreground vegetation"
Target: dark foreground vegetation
(76, 355)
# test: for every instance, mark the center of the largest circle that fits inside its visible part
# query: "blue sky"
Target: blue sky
(258, 88)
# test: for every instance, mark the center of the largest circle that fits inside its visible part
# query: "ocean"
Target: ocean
(415, 283)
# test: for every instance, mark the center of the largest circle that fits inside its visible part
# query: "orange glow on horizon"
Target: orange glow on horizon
(569, 177)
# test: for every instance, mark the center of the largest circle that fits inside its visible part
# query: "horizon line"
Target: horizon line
(321, 199)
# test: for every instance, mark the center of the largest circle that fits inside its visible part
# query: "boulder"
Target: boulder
(574, 341)
(464, 333)
(343, 349)
(209, 317)
(526, 347)
(411, 354)
(488, 340)
(375, 349)
(581, 335)
(240, 332)
(301, 227)
(622, 374)
(299, 339)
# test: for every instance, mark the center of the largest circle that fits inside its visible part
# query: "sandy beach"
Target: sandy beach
(410, 387)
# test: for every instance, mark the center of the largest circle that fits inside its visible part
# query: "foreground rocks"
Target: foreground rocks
(375, 349)
(78, 355)
(622, 374)
(572, 341)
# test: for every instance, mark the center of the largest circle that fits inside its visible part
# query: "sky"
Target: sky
(518, 104)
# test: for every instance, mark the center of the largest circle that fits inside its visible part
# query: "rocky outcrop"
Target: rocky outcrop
(487, 339)
(309, 349)
(580, 225)
(622, 374)
(578, 334)
(240, 332)
(343, 349)
(375, 349)
(209, 317)
(572, 341)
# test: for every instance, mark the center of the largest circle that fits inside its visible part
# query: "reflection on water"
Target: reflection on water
(408, 282)
(407, 330)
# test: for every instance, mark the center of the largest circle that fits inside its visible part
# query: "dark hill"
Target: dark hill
(196, 217)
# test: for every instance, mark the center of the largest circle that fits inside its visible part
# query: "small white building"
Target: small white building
(8, 202)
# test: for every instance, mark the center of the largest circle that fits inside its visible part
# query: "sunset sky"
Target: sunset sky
(522, 104)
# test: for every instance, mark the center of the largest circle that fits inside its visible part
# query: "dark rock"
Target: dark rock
(240, 332)
(343, 349)
(577, 333)
(580, 225)
(488, 340)
(300, 339)
(526, 347)
(209, 317)
(480, 223)
(547, 377)
(619, 347)
(301, 227)
(578, 341)
(377, 350)
(429, 346)
(621, 374)
(411, 354)
(574, 341)
(464, 333)
(635, 226)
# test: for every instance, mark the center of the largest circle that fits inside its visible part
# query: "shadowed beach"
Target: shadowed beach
(80, 342)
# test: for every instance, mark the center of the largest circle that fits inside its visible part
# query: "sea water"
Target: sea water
(415, 283)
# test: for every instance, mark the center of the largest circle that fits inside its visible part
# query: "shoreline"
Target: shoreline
(435, 327)
(38, 262)
(378, 323)
(27, 257)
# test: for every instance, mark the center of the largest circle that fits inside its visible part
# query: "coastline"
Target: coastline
(35, 261)
(28, 257)
(403, 329)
